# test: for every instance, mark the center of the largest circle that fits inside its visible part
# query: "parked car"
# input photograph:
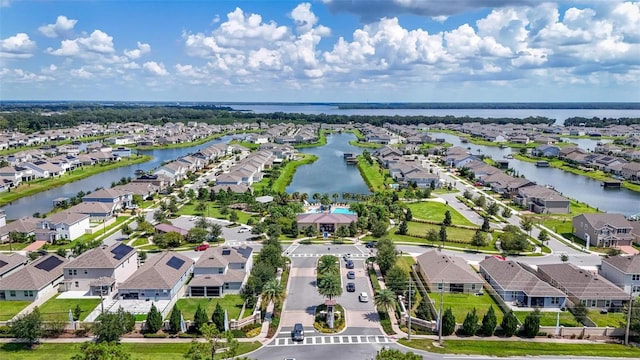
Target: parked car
(243, 229)
(350, 264)
(346, 257)
(371, 244)
(298, 332)
(202, 247)
(351, 287)
(351, 275)
(363, 297)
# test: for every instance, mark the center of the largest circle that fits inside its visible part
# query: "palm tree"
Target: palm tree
(315, 196)
(330, 286)
(385, 299)
(328, 264)
(304, 197)
(273, 291)
(335, 196)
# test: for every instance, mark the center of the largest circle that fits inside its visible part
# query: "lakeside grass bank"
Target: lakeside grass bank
(286, 175)
(180, 145)
(372, 174)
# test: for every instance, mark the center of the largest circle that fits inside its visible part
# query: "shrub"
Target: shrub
(532, 324)
(155, 335)
(470, 325)
(448, 322)
(509, 324)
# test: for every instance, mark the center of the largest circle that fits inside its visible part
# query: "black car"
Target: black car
(298, 332)
(371, 244)
(351, 287)
(350, 264)
(351, 275)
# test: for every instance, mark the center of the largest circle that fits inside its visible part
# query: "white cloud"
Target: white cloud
(18, 46)
(304, 18)
(142, 49)
(155, 68)
(22, 76)
(62, 28)
(96, 45)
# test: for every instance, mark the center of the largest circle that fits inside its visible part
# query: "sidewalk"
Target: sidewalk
(392, 315)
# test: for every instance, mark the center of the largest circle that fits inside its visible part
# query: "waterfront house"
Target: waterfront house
(221, 270)
(450, 274)
(25, 225)
(64, 225)
(631, 171)
(624, 271)
(603, 229)
(37, 280)
(513, 283)
(44, 169)
(546, 151)
(583, 287)
(160, 278)
(10, 263)
(542, 200)
(120, 198)
(325, 222)
(99, 270)
(97, 211)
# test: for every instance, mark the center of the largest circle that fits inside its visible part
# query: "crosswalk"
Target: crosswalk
(354, 256)
(332, 340)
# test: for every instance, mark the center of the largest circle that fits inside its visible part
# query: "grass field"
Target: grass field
(14, 246)
(434, 211)
(405, 262)
(372, 174)
(9, 309)
(462, 304)
(523, 348)
(549, 318)
(286, 175)
(213, 211)
(58, 309)
(231, 303)
(453, 233)
(609, 319)
(155, 351)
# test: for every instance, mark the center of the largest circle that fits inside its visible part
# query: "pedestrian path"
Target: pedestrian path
(332, 340)
(353, 256)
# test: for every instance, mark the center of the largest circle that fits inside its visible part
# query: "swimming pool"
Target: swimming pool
(337, 210)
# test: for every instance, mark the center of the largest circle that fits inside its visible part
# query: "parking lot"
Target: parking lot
(230, 234)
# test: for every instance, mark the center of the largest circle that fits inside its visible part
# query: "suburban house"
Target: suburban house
(624, 271)
(515, 284)
(166, 228)
(99, 270)
(97, 211)
(38, 279)
(25, 225)
(582, 286)
(120, 198)
(43, 169)
(221, 270)
(10, 263)
(603, 229)
(64, 225)
(546, 151)
(542, 200)
(160, 278)
(325, 222)
(450, 274)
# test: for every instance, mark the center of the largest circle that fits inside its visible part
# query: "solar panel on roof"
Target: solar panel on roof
(121, 251)
(175, 262)
(3, 263)
(226, 252)
(49, 264)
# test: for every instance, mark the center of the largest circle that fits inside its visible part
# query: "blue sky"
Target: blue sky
(320, 50)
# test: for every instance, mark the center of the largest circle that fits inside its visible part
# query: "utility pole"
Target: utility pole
(626, 332)
(409, 333)
(440, 313)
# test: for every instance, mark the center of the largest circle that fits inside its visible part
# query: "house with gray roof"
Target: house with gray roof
(119, 197)
(624, 271)
(325, 222)
(603, 229)
(450, 274)
(64, 225)
(100, 269)
(221, 270)
(10, 263)
(160, 278)
(583, 287)
(25, 225)
(38, 279)
(542, 200)
(513, 283)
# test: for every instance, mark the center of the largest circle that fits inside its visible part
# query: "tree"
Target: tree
(442, 235)
(423, 311)
(527, 224)
(395, 354)
(101, 351)
(197, 235)
(506, 213)
(480, 201)
(154, 320)
(273, 290)
(200, 318)
(408, 215)
(489, 322)
(402, 228)
(28, 326)
(215, 230)
(396, 279)
(509, 324)
(217, 317)
(447, 218)
(432, 236)
(378, 228)
(353, 229)
(386, 256)
(479, 239)
(310, 231)
(159, 216)
(232, 345)
(233, 216)
(493, 208)
(330, 286)
(111, 326)
(634, 325)
(470, 325)
(486, 226)
(543, 236)
(385, 299)
(201, 207)
(564, 257)
(448, 322)
(175, 320)
(77, 312)
(342, 231)
(531, 324)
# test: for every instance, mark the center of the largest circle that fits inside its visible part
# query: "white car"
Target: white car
(363, 297)
(243, 230)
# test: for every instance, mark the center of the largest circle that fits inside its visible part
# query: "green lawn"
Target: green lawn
(462, 304)
(523, 348)
(58, 309)
(9, 309)
(232, 303)
(14, 246)
(434, 211)
(453, 233)
(609, 319)
(213, 211)
(373, 175)
(405, 262)
(140, 351)
(140, 242)
(89, 237)
(549, 318)
(286, 174)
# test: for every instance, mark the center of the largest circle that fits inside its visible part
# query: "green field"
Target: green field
(549, 318)
(231, 303)
(462, 304)
(434, 211)
(150, 351)
(373, 175)
(286, 175)
(58, 309)
(213, 211)
(9, 309)
(609, 319)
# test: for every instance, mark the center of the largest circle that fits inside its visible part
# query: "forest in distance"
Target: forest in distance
(28, 117)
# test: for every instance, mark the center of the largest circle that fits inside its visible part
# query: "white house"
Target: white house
(624, 271)
(62, 225)
(37, 280)
(160, 278)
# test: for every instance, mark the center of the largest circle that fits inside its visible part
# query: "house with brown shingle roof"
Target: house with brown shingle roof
(514, 283)
(582, 286)
(100, 269)
(39, 279)
(450, 274)
(10, 263)
(624, 271)
(325, 222)
(160, 278)
(25, 225)
(221, 270)
(603, 229)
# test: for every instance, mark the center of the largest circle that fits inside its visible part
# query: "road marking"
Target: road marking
(332, 340)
